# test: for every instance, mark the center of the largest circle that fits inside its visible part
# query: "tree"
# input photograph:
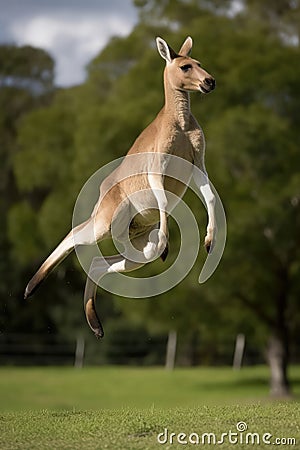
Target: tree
(281, 16)
(26, 76)
(252, 132)
(259, 137)
(251, 124)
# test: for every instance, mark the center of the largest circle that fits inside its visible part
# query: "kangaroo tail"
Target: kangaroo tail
(79, 235)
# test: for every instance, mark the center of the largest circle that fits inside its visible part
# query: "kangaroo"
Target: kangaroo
(134, 197)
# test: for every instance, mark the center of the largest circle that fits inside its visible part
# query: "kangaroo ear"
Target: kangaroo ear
(186, 47)
(165, 51)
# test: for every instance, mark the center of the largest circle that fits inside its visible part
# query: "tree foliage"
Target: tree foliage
(251, 124)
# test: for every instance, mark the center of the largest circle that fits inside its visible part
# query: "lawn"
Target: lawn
(128, 408)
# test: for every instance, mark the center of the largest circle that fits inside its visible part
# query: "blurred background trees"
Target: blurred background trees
(53, 139)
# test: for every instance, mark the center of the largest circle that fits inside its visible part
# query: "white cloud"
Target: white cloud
(72, 38)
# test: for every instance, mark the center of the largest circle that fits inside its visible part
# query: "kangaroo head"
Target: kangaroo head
(183, 72)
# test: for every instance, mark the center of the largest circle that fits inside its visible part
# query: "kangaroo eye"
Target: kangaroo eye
(186, 67)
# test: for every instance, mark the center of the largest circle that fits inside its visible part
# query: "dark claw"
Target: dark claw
(209, 248)
(165, 253)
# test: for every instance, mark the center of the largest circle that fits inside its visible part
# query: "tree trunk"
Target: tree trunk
(278, 345)
(277, 356)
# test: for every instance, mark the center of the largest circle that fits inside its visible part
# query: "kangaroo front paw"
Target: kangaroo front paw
(157, 245)
(150, 250)
(162, 242)
(209, 243)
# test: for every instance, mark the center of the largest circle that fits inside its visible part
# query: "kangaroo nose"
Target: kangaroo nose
(211, 82)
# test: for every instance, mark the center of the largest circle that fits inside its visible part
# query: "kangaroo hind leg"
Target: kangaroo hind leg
(81, 234)
(102, 266)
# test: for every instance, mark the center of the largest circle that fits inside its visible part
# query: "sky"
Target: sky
(72, 31)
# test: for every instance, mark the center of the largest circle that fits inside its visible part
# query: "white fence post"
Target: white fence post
(79, 352)
(239, 351)
(171, 350)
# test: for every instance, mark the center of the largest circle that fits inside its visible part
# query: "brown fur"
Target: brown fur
(174, 131)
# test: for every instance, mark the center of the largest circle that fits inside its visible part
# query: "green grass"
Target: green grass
(125, 408)
(119, 387)
(131, 429)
